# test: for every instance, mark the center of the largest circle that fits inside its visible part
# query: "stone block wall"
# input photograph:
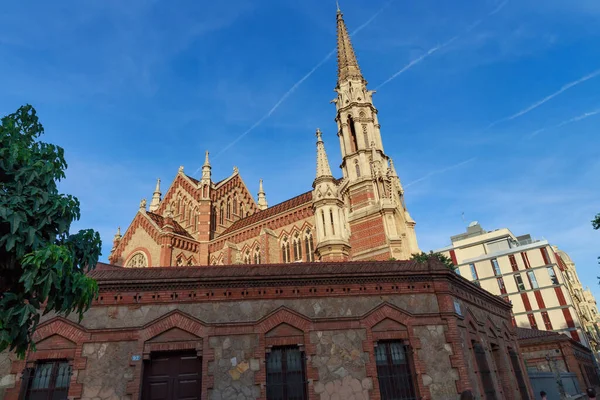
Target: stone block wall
(234, 367)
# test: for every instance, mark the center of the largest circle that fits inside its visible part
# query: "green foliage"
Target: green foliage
(42, 267)
(424, 257)
(596, 222)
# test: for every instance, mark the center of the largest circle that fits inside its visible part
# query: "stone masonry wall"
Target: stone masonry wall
(234, 367)
(7, 380)
(340, 362)
(116, 316)
(435, 352)
(107, 371)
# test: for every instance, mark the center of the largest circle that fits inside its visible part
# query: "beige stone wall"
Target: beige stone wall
(7, 380)
(142, 239)
(435, 352)
(107, 370)
(111, 317)
(234, 367)
(340, 362)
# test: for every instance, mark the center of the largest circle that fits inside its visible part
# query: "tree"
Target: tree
(596, 225)
(424, 257)
(42, 267)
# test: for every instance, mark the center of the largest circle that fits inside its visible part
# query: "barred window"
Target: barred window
(49, 380)
(286, 374)
(394, 372)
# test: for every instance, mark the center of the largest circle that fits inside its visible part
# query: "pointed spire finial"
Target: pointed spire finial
(337, 3)
(347, 63)
(323, 168)
(262, 198)
(118, 234)
(156, 197)
(206, 161)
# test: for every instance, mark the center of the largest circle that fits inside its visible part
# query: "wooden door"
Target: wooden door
(172, 376)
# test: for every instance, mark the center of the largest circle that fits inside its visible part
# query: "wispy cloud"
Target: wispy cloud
(545, 99)
(295, 86)
(440, 171)
(568, 121)
(441, 46)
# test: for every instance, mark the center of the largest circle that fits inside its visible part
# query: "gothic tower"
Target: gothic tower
(332, 235)
(379, 223)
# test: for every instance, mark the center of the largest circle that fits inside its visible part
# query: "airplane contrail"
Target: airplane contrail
(569, 121)
(439, 171)
(545, 99)
(441, 46)
(296, 85)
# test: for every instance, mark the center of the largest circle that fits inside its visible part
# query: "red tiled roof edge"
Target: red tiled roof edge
(160, 221)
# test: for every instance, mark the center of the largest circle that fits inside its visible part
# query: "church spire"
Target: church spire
(262, 198)
(347, 64)
(206, 170)
(156, 197)
(323, 169)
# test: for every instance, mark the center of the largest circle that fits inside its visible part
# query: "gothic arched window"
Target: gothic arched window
(190, 216)
(332, 224)
(357, 168)
(247, 257)
(179, 261)
(221, 215)
(308, 246)
(138, 260)
(195, 219)
(257, 255)
(297, 248)
(235, 204)
(213, 218)
(353, 141)
(323, 218)
(182, 217)
(285, 250)
(228, 209)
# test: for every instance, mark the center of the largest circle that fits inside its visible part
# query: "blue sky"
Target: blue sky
(477, 124)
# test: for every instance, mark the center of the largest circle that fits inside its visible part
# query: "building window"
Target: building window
(257, 256)
(513, 262)
(394, 371)
(547, 322)
(308, 246)
(285, 250)
(357, 167)
(47, 381)
(473, 272)
(516, 364)
(532, 280)
(221, 214)
(485, 374)
(553, 277)
(457, 270)
(532, 322)
(496, 267)
(247, 257)
(545, 255)
(519, 282)
(228, 209)
(235, 204)
(353, 141)
(297, 248)
(501, 285)
(332, 224)
(138, 260)
(286, 378)
(525, 260)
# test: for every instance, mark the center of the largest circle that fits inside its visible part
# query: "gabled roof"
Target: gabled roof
(525, 333)
(270, 212)
(160, 221)
(196, 181)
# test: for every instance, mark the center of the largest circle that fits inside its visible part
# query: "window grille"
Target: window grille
(394, 373)
(49, 380)
(286, 374)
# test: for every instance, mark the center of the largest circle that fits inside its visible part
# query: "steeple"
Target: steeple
(347, 64)
(262, 198)
(323, 169)
(155, 202)
(206, 170)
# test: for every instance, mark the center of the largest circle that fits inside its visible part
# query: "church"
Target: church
(361, 216)
(315, 298)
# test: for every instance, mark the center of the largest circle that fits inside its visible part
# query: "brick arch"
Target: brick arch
(283, 315)
(386, 311)
(62, 327)
(139, 250)
(174, 319)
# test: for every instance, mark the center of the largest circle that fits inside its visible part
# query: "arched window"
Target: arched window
(297, 248)
(257, 256)
(228, 209)
(190, 262)
(247, 257)
(179, 261)
(332, 224)
(178, 205)
(285, 250)
(323, 218)
(235, 204)
(221, 215)
(242, 210)
(357, 168)
(195, 220)
(213, 218)
(183, 207)
(308, 246)
(365, 136)
(138, 260)
(353, 141)
(190, 215)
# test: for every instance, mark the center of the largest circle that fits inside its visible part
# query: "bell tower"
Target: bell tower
(380, 225)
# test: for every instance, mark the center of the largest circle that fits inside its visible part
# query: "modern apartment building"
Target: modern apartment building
(523, 271)
(583, 298)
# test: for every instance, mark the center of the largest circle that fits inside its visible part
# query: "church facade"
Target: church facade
(361, 216)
